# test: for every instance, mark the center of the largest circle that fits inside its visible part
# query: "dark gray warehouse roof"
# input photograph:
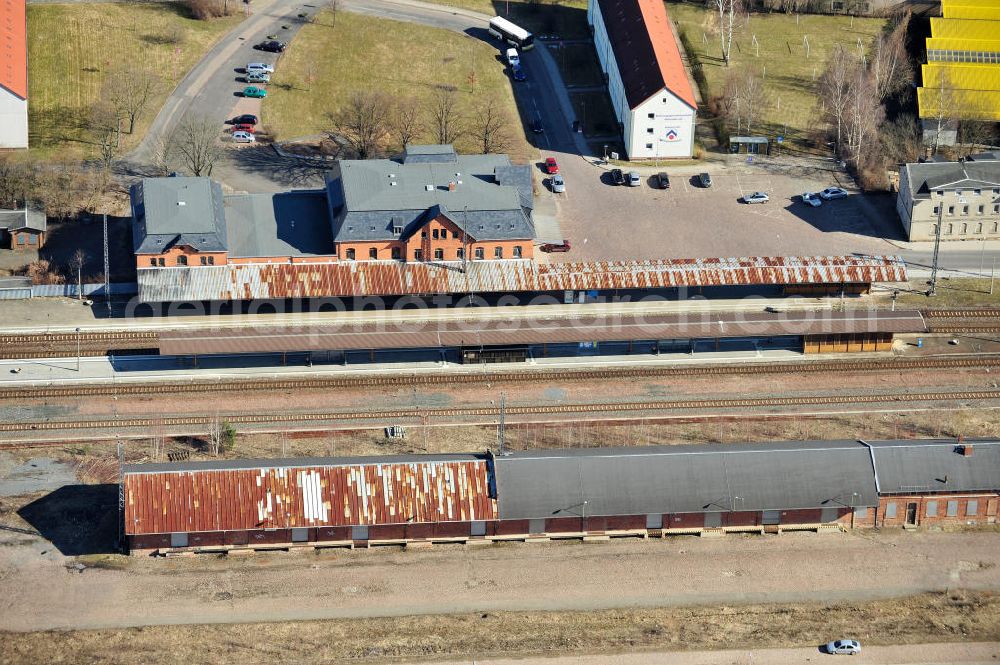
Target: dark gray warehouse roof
(177, 211)
(936, 465)
(685, 478)
(295, 223)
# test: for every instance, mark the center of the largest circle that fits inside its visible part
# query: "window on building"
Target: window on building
(965, 210)
(971, 508)
(649, 146)
(890, 510)
(861, 513)
(977, 192)
(350, 254)
(460, 253)
(480, 255)
(418, 255)
(517, 251)
(182, 260)
(32, 240)
(162, 261)
(435, 234)
(397, 230)
(650, 115)
(958, 192)
(498, 252)
(951, 210)
(373, 253)
(996, 209)
(204, 260)
(937, 209)
(439, 254)
(649, 130)
(965, 228)
(948, 231)
(444, 234)
(982, 210)
(995, 225)
(152, 262)
(934, 229)
(423, 234)
(397, 253)
(931, 510)
(952, 508)
(979, 227)
(211, 260)
(372, 229)
(996, 192)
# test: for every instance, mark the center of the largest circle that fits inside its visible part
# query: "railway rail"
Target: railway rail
(426, 415)
(510, 376)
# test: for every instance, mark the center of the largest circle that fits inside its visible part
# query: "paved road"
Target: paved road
(977, 653)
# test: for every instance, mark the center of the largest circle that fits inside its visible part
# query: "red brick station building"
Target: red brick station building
(430, 204)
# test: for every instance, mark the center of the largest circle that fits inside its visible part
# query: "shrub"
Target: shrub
(204, 10)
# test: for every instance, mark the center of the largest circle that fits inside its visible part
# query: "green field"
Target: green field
(335, 57)
(787, 71)
(72, 48)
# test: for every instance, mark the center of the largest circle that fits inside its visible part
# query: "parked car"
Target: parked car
(260, 67)
(512, 57)
(756, 197)
(536, 126)
(517, 73)
(617, 177)
(831, 193)
(254, 91)
(564, 246)
(244, 127)
(271, 46)
(662, 181)
(243, 137)
(258, 77)
(551, 167)
(633, 179)
(705, 180)
(558, 184)
(245, 119)
(810, 198)
(844, 647)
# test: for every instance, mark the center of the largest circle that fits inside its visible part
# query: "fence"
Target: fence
(18, 290)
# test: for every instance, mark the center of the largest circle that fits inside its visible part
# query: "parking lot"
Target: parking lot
(604, 221)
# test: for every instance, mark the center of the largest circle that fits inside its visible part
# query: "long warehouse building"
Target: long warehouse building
(562, 493)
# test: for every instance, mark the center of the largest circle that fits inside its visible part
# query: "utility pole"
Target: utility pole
(107, 277)
(77, 349)
(501, 439)
(992, 272)
(937, 249)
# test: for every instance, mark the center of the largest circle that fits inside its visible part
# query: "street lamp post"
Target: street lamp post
(937, 246)
(77, 349)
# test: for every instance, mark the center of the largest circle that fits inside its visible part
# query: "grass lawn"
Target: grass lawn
(953, 292)
(788, 72)
(356, 55)
(71, 49)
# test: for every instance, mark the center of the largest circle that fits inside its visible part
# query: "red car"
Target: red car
(555, 247)
(550, 166)
(244, 128)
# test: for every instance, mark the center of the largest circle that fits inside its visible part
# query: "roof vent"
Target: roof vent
(458, 175)
(429, 188)
(393, 183)
(181, 203)
(392, 175)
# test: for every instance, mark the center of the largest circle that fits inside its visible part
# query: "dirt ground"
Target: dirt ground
(958, 617)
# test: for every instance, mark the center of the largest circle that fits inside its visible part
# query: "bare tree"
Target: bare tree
(492, 128)
(221, 435)
(364, 122)
(835, 87)
(196, 142)
(727, 19)
(333, 6)
(161, 153)
(946, 111)
(899, 139)
(62, 187)
(16, 178)
(129, 90)
(445, 119)
(76, 262)
(406, 121)
(890, 65)
(863, 117)
(106, 129)
(746, 99)
(974, 134)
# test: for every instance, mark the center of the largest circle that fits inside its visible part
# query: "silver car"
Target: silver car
(844, 647)
(633, 179)
(558, 184)
(756, 197)
(258, 77)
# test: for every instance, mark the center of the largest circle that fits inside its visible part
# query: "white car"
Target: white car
(260, 67)
(258, 76)
(756, 197)
(844, 647)
(512, 57)
(831, 193)
(558, 184)
(244, 137)
(811, 199)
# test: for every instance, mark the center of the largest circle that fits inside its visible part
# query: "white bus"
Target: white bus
(506, 31)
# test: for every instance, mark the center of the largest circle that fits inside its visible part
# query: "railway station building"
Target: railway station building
(430, 204)
(591, 493)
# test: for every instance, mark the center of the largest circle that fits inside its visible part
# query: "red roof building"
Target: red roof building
(13, 74)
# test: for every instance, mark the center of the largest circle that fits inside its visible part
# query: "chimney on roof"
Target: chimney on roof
(965, 449)
(452, 186)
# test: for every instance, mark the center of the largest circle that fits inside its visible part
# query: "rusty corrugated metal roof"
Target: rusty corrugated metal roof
(393, 278)
(286, 496)
(430, 333)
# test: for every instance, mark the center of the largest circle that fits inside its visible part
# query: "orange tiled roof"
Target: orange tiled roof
(645, 49)
(14, 47)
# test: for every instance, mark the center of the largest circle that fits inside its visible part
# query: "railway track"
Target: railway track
(425, 415)
(511, 376)
(962, 321)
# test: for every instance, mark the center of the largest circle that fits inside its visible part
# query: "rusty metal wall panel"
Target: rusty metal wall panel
(286, 497)
(409, 334)
(392, 278)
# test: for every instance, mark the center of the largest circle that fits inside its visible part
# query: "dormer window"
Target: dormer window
(397, 230)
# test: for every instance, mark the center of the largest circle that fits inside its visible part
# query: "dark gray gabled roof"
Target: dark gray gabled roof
(17, 220)
(904, 467)
(927, 176)
(685, 478)
(293, 223)
(167, 212)
(367, 198)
